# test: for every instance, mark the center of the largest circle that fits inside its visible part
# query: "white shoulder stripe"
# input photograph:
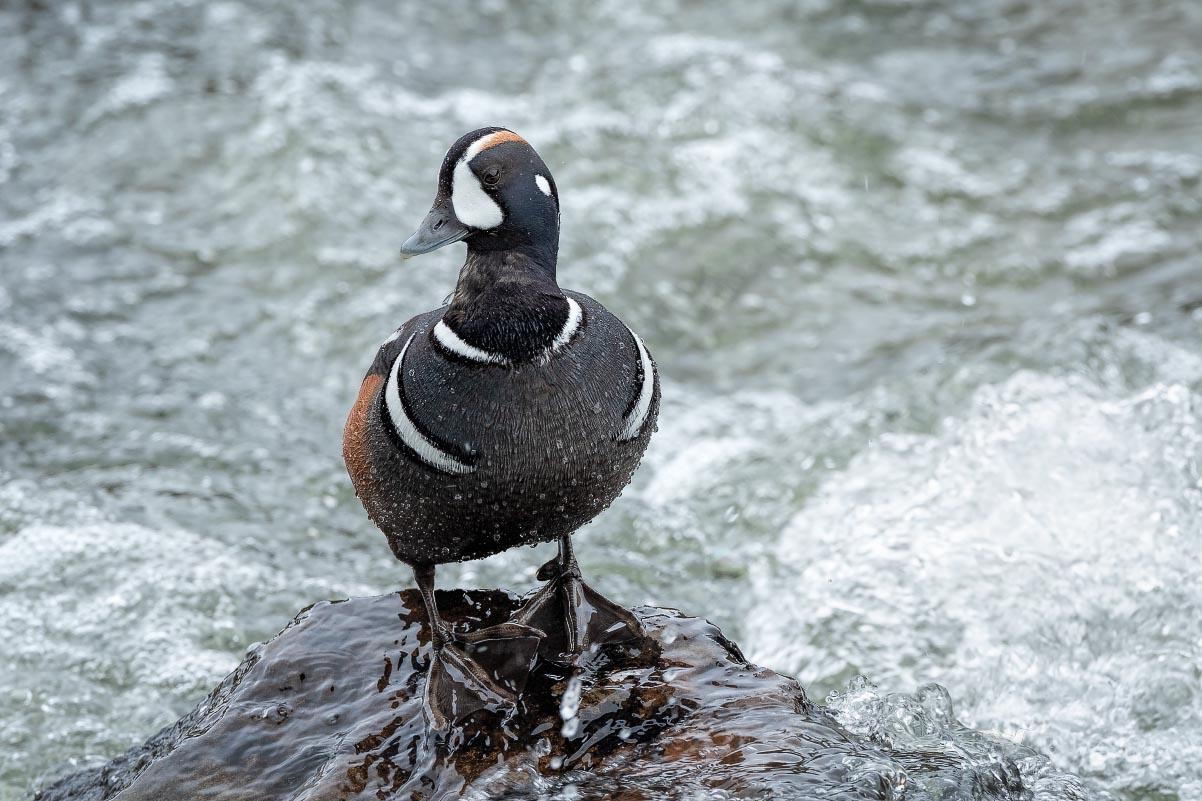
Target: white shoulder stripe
(570, 326)
(406, 429)
(638, 415)
(447, 337)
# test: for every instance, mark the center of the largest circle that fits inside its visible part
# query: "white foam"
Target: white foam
(132, 619)
(1038, 555)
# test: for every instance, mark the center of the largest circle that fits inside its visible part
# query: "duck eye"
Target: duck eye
(492, 175)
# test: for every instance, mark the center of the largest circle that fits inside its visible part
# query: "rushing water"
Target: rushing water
(922, 279)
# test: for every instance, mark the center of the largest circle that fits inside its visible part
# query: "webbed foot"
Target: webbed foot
(574, 615)
(479, 670)
(471, 671)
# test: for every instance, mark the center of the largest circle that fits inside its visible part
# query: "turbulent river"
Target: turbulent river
(922, 279)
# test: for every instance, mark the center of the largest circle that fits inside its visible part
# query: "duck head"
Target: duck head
(494, 193)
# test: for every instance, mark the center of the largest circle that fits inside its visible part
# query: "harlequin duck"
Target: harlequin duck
(511, 416)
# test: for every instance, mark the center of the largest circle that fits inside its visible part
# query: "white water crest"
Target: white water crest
(1038, 555)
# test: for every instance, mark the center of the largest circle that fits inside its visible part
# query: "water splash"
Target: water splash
(794, 206)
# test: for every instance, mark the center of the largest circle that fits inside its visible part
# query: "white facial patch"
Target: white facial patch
(472, 204)
(543, 184)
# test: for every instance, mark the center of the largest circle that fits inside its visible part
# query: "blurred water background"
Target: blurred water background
(922, 279)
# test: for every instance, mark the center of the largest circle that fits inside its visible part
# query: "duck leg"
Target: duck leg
(471, 671)
(565, 603)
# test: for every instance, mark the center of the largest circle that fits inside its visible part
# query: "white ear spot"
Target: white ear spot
(472, 204)
(543, 184)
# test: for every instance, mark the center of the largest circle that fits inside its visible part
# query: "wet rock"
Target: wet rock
(331, 709)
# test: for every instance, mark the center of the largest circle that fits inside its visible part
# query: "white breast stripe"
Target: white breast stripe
(430, 453)
(638, 415)
(452, 342)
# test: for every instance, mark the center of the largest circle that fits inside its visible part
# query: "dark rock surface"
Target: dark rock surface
(331, 709)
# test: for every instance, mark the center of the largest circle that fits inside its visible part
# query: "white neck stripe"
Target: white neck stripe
(447, 338)
(638, 415)
(407, 430)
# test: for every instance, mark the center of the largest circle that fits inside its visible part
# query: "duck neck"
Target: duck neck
(508, 302)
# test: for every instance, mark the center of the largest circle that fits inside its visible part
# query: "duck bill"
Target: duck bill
(441, 227)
